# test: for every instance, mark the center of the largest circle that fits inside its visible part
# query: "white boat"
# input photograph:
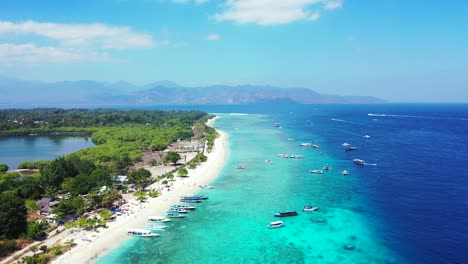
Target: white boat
(305, 144)
(296, 157)
(158, 227)
(141, 233)
(184, 206)
(276, 224)
(359, 161)
(268, 162)
(158, 219)
(172, 214)
(345, 144)
(178, 210)
(240, 167)
(205, 186)
(315, 146)
(326, 167)
(345, 172)
(310, 208)
(316, 171)
(284, 156)
(366, 136)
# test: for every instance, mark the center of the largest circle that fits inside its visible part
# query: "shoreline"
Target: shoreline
(101, 243)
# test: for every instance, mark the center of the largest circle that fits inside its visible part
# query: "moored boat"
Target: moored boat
(276, 124)
(172, 214)
(345, 144)
(190, 200)
(184, 206)
(284, 156)
(366, 136)
(275, 224)
(285, 213)
(326, 167)
(198, 197)
(178, 210)
(268, 162)
(296, 157)
(315, 146)
(316, 171)
(141, 233)
(305, 144)
(350, 148)
(310, 208)
(345, 172)
(158, 219)
(359, 161)
(205, 186)
(240, 167)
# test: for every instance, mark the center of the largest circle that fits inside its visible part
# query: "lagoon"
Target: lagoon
(15, 150)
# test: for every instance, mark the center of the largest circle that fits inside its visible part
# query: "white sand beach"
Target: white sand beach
(91, 245)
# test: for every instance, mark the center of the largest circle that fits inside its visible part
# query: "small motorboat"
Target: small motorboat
(268, 162)
(199, 197)
(284, 156)
(141, 233)
(172, 214)
(240, 167)
(285, 213)
(366, 136)
(277, 124)
(315, 146)
(359, 161)
(316, 171)
(350, 148)
(310, 208)
(305, 144)
(296, 157)
(205, 186)
(326, 167)
(190, 200)
(345, 144)
(178, 210)
(184, 206)
(345, 172)
(158, 219)
(276, 224)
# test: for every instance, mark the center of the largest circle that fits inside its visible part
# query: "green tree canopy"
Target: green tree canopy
(182, 172)
(172, 156)
(3, 168)
(12, 216)
(139, 177)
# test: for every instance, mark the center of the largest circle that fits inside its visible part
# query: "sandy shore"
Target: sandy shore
(92, 245)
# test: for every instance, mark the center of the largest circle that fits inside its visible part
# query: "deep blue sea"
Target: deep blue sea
(409, 205)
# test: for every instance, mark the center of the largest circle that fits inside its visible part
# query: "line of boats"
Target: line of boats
(174, 211)
(286, 156)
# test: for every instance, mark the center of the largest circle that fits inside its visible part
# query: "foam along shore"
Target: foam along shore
(92, 245)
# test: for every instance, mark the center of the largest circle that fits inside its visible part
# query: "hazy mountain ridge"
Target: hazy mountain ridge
(19, 92)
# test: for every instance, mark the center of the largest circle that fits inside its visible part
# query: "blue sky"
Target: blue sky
(403, 51)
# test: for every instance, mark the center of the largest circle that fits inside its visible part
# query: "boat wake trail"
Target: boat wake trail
(424, 117)
(370, 164)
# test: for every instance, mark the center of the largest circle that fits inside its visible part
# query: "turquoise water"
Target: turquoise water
(231, 226)
(15, 150)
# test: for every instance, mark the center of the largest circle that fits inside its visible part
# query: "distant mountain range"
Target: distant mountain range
(21, 92)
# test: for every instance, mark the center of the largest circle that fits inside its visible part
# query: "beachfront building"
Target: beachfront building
(46, 205)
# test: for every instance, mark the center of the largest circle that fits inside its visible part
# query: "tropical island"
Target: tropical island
(86, 190)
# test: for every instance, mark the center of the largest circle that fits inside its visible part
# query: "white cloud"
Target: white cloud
(333, 4)
(103, 36)
(273, 12)
(213, 37)
(30, 54)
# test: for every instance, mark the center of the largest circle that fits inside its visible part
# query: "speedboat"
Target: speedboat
(178, 210)
(268, 162)
(172, 214)
(296, 157)
(205, 186)
(141, 233)
(240, 167)
(350, 148)
(277, 124)
(285, 213)
(310, 208)
(200, 197)
(345, 144)
(184, 206)
(316, 171)
(158, 219)
(326, 167)
(315, 146)
(359, 161)
(284, 156)
(190, 200)
(305, 144)
(345, 172)
(158, 227)
(366, 136)
(276, 224)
